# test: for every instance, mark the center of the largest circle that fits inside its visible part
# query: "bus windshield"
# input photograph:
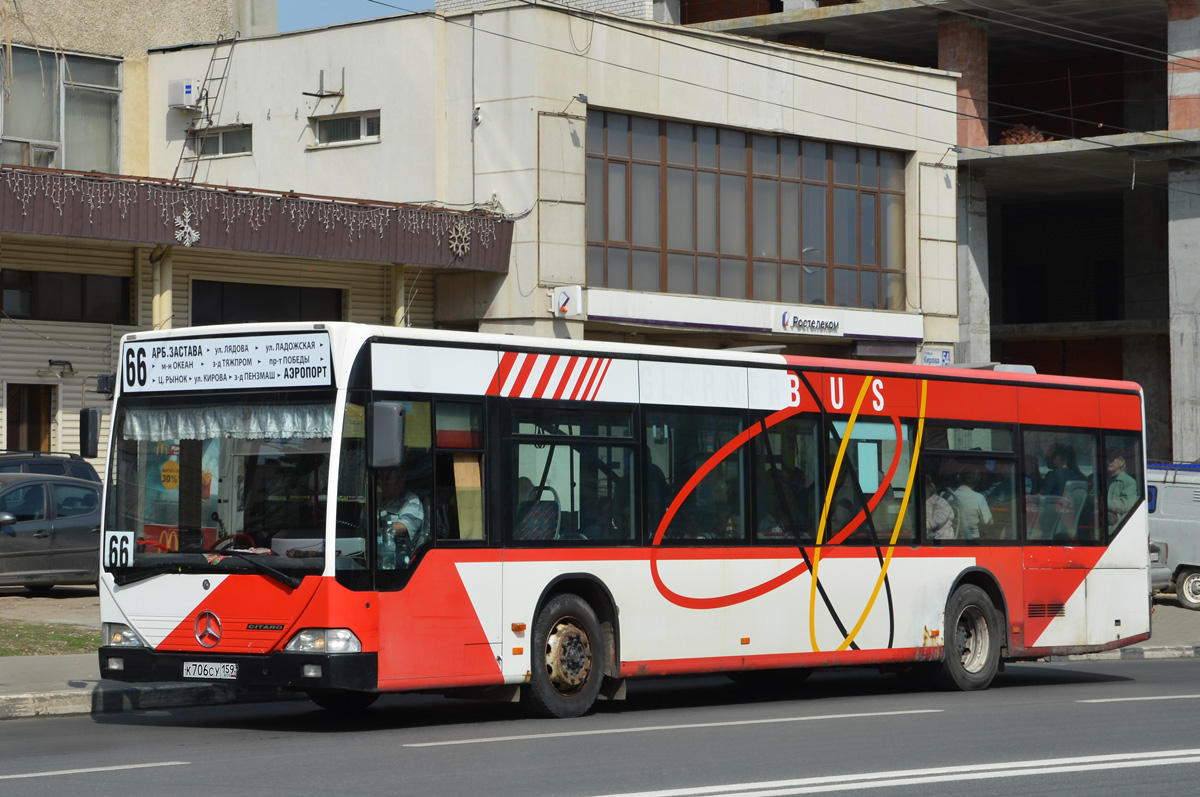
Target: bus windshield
(228, 482)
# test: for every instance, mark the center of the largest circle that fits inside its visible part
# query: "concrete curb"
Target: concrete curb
(111, 698)
(1160, 652)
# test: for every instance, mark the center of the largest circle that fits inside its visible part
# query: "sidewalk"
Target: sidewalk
(47, 685)
(32, 686)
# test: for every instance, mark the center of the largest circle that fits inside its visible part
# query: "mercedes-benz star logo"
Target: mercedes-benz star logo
(208, 629)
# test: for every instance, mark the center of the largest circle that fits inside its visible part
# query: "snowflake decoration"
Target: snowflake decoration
(185, 232)
(460, 240)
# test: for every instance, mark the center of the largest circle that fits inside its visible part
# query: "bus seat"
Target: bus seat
(536, 520)
(1077, 492)
(1048, 518)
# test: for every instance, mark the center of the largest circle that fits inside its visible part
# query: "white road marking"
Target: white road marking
(1135, 699)
(689, 726)
(53, 772)
(917, 777)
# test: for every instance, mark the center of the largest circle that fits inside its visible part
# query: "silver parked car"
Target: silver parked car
(1160, 573)
(49, 530)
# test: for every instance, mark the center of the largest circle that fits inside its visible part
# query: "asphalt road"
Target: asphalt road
(1048, 728)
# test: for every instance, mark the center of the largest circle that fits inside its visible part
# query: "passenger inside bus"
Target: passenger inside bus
(974, 514)
(1122, 492)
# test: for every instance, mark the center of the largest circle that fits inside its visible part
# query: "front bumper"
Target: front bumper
(351, 671)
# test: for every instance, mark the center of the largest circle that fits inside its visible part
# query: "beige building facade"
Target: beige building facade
(471, 171)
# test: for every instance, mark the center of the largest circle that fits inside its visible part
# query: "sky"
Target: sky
(299, 14)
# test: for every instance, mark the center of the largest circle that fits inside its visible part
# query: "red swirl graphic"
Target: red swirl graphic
(722, 601)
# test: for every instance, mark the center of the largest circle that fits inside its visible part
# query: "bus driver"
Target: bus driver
(400, 511)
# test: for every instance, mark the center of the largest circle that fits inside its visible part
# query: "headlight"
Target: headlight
(119, 635)
(324, 640)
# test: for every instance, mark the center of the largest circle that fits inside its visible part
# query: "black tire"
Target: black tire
(341, 701)
(1187, 587)
(567, 667)
(972, 638)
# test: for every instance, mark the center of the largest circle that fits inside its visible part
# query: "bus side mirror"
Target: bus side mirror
(385, 434)
(89, 432)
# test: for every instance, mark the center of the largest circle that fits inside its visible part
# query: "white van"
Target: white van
(1173, 493)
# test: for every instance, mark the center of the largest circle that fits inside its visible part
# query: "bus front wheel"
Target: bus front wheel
(567, 659)
(972, 653)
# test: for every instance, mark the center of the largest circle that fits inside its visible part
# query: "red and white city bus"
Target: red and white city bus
(562, 515)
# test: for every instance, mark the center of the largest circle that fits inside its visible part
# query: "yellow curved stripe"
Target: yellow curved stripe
(887, 559)
(837, 466)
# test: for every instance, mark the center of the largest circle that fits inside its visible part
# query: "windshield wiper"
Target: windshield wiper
(287, 579)
(123, 578)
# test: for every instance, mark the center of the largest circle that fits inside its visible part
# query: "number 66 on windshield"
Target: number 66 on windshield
(118, 548)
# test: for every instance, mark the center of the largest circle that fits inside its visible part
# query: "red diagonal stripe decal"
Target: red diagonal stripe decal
(551, 364)
(501, 375)
(600, 379)
(523, 375)
(584, 377)
(572, 365)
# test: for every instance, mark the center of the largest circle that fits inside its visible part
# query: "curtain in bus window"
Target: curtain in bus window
(458, 500)
(686, 447)
(870, 484)
(246, 422)
(787, 495)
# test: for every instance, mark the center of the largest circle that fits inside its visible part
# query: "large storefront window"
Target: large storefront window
(690, 209)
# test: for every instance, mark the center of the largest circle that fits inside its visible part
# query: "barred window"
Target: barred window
(693, 209)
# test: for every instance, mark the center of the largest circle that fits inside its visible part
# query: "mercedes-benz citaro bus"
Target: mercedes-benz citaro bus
(348, 510)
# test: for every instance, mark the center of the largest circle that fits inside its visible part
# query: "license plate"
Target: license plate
(210, 670)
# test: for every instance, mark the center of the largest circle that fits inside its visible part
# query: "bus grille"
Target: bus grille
(1047, 610)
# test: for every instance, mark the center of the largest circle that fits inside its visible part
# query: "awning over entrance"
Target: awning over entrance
(143, 210)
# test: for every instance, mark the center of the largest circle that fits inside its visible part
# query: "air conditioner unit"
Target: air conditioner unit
(184, 94)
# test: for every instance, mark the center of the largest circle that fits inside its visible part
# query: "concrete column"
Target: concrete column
(974, 302)
(1183, 232)
(1147, 359)
(1183, 65)
(398, 302)
(963, 48)
(161, 309)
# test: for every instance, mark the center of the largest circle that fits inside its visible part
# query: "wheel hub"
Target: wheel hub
(568, 657)
(971, 638)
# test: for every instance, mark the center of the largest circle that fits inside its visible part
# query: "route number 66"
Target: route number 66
(118, 549)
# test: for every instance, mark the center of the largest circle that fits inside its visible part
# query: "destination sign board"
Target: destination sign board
(226, 363)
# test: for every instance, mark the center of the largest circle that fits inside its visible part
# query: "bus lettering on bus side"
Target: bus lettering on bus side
(837, 392)
(793, 390)
(877, 389)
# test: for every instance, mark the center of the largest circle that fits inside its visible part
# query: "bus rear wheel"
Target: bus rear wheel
(972, 653)
(1187, 587)
(568, 659)
(342, 701)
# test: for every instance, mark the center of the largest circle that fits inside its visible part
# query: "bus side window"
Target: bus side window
(1123, 482)
(713, 508)
(788, 493)
(458, 505)
(458, 501)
